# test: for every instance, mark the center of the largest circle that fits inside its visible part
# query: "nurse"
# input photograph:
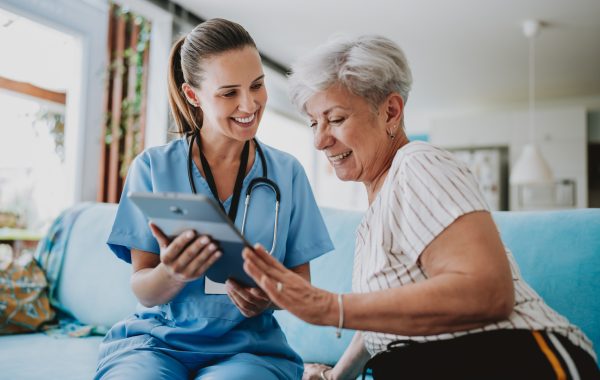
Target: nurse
(187, 327)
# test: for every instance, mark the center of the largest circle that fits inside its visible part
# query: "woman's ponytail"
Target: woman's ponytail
(185, 115)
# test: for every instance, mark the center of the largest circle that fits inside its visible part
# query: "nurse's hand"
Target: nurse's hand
(287, 289)
(250, 301)
(188, 256)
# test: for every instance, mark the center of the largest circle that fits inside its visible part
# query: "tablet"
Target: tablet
(174, 213)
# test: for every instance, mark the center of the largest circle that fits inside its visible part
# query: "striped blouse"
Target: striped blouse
(426, 190)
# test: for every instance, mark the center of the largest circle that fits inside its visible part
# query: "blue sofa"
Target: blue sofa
(558, 252)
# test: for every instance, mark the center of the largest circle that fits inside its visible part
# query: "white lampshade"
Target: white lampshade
(531, 168)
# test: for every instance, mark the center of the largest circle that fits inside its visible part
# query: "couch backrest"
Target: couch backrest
(558, 253)
(94, 284)
(333, 272)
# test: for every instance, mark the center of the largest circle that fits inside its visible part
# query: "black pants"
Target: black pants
(500, 354)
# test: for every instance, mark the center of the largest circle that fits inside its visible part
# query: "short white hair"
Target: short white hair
(369, 66)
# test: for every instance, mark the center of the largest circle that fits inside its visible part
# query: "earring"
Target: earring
(392, 135)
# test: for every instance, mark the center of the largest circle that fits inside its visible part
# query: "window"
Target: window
(32, 121)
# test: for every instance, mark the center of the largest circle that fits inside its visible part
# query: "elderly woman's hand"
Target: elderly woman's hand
(289, 290)
(316, 371)
(250, 301)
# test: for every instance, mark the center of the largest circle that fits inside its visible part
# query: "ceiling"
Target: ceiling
(463, 53)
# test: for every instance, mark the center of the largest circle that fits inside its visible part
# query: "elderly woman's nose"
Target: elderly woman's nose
(322, 138)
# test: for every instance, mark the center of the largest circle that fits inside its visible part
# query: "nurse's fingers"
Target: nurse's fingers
(200, 264)
(247, 309)
(244, 312)
(174, 248)
(250, 295)
(192, 251)
(163, 240)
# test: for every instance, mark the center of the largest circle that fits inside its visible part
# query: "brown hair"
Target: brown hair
(185, 65)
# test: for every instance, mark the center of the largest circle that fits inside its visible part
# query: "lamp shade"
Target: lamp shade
(531, 168)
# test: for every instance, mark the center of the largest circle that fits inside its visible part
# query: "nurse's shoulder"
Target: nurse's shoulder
(173, 151)
(171, 154)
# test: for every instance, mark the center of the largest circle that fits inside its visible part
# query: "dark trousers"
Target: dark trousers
(500, 354)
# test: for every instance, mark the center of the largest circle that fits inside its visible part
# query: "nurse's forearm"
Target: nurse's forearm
(155, 286)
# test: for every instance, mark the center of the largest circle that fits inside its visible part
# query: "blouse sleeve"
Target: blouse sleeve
(431, 190)
(308, 237)
(130, 228)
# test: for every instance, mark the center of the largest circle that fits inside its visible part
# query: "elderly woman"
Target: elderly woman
(436, 294)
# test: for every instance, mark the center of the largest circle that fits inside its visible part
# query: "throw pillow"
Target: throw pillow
(24, 304)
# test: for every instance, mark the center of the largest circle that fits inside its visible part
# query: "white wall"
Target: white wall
(561, 133)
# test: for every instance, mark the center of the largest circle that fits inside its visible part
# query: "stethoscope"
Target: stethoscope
(254, 183)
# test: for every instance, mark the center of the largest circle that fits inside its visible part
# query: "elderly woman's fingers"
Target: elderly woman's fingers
(292, 292)
(269, 260)
(266, 283)
(258, 293)
(267, 264)
(254, 270)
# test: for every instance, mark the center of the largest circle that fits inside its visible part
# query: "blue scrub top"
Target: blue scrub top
(209, 323)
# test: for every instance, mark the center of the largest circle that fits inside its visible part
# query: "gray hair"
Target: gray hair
(369, 66)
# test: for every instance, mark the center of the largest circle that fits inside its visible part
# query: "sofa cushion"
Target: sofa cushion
(39, 356)
(94, 284)
(558, 253)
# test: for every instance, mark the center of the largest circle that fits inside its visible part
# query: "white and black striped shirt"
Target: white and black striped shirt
(426, 190)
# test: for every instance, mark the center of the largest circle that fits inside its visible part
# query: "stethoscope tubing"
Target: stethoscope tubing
(256, 182)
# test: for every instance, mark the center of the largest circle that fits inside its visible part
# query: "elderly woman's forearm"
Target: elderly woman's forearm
(446, 303)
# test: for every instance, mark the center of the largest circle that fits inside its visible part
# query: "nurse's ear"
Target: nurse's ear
(190, 95)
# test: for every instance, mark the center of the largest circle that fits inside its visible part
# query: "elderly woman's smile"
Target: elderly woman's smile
(337, 158)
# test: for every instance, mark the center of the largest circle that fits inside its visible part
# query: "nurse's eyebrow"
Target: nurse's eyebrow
(239, 85)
